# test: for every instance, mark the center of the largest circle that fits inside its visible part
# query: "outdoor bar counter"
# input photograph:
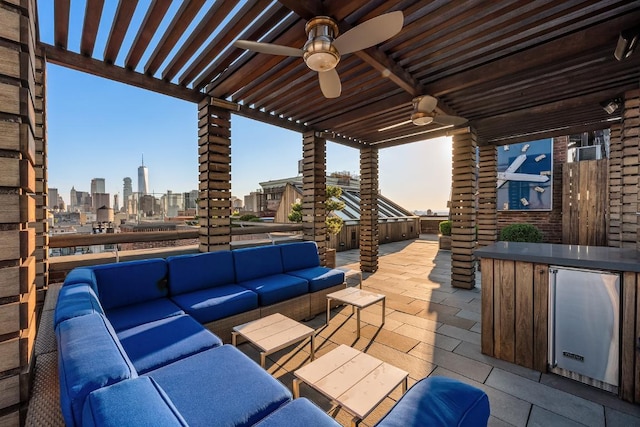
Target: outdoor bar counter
(515, 302)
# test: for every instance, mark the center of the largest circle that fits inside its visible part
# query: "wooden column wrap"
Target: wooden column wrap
(615, 186)
(463, 210)
(630, 133)
(21, 107)
(486, 216)
(42, 187)
(214, 151)
(314, 183)
(369, 235)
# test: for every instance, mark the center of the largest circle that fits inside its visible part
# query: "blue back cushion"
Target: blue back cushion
(139, 401)
(82, 275)
(297, 256)
(252, 263)
(131, 282)
(76, 300)
(188, 273)
(89, 357)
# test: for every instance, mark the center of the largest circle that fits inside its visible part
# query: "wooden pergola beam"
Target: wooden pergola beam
(554, 51)
(179, 24)
(98, 68)
(153, 18)
(121, 22)
(92, 15)
(209, 23)
(61, 23)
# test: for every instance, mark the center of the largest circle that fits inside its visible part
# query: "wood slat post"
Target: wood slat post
(630, 174)
(214, 154)
(369, 235)
(487, 218)
(21, 120)
(314, 183)
(615, 185)
(629, 316)
(42, 188)
(463, 210)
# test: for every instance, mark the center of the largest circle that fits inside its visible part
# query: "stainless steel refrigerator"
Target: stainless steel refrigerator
(584, 326)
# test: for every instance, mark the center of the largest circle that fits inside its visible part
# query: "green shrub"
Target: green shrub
(521, 233)
(255, 219)
(248, 217)
(445, 228)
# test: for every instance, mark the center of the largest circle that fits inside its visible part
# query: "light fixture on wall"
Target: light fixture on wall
(611, 106)
(627, 42)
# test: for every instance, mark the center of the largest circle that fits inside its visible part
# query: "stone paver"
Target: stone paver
(432, 328)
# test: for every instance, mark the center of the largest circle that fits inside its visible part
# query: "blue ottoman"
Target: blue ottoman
(439, 402)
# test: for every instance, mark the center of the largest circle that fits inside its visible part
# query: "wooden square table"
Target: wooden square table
(352, 379)
(358, 299)
(273, 333)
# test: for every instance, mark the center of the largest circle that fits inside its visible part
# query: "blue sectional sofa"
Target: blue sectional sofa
(133, 348)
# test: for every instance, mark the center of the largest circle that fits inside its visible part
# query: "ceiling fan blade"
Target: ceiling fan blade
(427, 103)
(271, 49)
(443, 119)
(330, 83)
(370, 33)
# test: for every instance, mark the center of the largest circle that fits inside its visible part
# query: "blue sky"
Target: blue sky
(101, 129)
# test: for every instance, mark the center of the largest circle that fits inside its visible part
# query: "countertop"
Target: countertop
(591, 257)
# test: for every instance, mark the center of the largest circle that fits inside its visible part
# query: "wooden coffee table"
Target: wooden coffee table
(358, 299)
(273, 333)
(352, 379)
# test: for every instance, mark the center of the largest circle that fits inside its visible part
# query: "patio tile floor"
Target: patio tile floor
(432, 328)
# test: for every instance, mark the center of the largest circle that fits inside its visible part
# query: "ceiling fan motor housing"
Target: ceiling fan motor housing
(319, 53)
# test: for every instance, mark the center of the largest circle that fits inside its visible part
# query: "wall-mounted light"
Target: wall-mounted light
(611, 106)
(627, 42)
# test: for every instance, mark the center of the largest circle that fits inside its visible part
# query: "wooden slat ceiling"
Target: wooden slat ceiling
(516, 69)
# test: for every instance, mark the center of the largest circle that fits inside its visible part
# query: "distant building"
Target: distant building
(98, 186)
(116, 205)
(53, 199)
(127, 192)
(254, 202)
(143, 179)
(81, 201)
(101, 200)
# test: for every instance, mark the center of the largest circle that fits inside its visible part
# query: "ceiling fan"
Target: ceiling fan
(323, 48)
(424, 113)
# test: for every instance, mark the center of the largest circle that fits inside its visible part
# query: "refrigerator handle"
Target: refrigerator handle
(552, 318)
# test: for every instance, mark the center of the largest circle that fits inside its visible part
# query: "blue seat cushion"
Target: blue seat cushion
(76, 300)
(221, 387)
(216, 303)
(89, 357)
(136, 402)
(194, 272)
(439, 402)
(137, 314)
(131, 282)
(253, 263)
(320, 277)
(300, 412)
(163, 341)
(276, 288)
(298, 256)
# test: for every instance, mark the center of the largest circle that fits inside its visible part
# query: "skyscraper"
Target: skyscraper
(127, 191)
(97, 185)
(143, 179)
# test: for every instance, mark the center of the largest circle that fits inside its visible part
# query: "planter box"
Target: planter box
(444, 242)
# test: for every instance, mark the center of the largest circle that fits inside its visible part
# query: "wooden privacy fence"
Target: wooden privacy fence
(584, 203)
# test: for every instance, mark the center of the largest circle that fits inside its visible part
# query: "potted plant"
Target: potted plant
(521, 233)
(444, 238)
(333, 222)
